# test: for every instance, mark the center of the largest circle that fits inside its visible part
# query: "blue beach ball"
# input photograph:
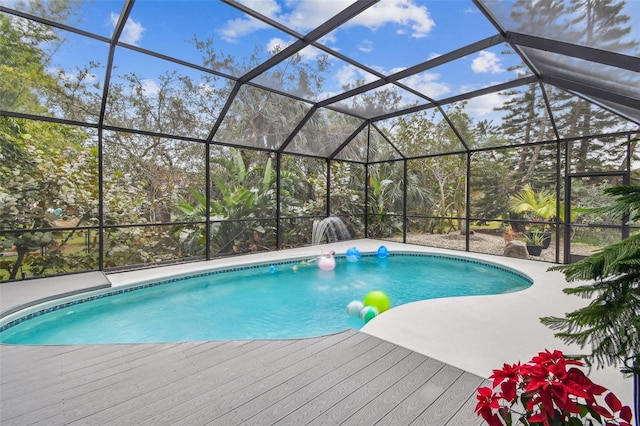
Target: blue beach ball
(383, 252)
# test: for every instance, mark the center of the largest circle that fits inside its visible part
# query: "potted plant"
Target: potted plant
(535, 243)
(548, 390)
(539, 228)
(539, 206)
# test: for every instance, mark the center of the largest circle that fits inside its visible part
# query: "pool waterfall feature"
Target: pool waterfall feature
(332, 228)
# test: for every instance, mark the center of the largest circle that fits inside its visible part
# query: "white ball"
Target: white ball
(354, 308)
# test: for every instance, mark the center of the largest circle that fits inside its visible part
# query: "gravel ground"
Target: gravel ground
(484, 243)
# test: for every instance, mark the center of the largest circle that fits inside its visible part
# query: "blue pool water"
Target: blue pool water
(285, 300)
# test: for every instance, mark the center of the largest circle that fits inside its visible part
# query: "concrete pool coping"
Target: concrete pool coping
(505, 328)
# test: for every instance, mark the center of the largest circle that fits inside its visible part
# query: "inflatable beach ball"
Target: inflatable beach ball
(368, 313)
(378, 300)
(354, 308)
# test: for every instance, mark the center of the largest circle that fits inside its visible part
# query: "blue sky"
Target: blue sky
(392, 35)
(388, 37)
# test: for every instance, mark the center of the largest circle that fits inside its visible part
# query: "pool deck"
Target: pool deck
(418, 363)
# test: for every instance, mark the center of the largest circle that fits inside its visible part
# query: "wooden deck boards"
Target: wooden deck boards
(348, 378)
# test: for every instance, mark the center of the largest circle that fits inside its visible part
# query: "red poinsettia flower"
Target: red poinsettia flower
(552, 391)
(508, 378)
(487, 402)
(555, 358)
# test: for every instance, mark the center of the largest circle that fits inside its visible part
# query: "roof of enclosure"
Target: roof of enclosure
(364, 64)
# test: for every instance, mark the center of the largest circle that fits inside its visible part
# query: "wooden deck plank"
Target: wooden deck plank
(67, 384)
(108, 377)
(379, 381)
(85, 367)
(466, 415)
(330, 396)
(379, 406)
(253, 410)
(109, 392)
(411, 407)
(447, 405)
(184, 384)
(79, 383)
(287, 406)
(210, 405)
(349, 377)
(46, 356)
(208, 376)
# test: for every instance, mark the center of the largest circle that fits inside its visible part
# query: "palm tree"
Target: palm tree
(541, 204)
(610, 323)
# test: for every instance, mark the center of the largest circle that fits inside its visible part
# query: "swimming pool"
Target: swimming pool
(289, 299)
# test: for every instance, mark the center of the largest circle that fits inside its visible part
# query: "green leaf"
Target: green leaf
(186, 209)
(266, 181)
(574, 421)
(241, 173)
(200, 198)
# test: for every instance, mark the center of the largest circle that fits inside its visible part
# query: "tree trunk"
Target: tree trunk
(22, 252)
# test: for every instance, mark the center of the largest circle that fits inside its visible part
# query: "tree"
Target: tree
(594, 23)
(347, 196)
(539, 204)
(610, 323)
(49, 172)
(490, 183)
(22, 64)
(43, 181)
(436, 184)
(242, 197)
(601, 24)
(31, 82)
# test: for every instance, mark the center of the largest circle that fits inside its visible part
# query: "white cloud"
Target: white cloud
(132, 33)
(410, 17)
(269, 8)
(484, 105)
(396, 69)
(467, 88)
(237, 28)
(308, 14)
(276, 45)
(328, 39)
(311, 53)
(348, 74)
(486, 62)
(150, 87)
(305, 15)
(366, 46)
(427, 84)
